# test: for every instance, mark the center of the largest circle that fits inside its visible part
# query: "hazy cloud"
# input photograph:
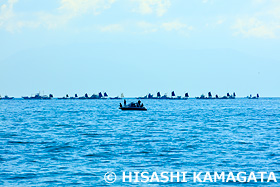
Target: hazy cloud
(152, 6)
(79, 7)
(111, 28)
(254, 27)
(68, 9)
(176, 25)
(264, 23)
(7, 13)
(147, 27)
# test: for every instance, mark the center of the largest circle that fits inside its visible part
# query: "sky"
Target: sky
(138, 47)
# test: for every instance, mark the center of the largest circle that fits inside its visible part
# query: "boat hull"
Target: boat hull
(133, 108)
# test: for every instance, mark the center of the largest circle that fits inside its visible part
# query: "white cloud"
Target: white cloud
(150, 6)
(147, 27)
(176, 25)
(68, 10)
(7, 13)
(79, 7)
(264, 23)
(73, 8)
(220, 21)
(173, 26)
(111, 28)
(254, 27)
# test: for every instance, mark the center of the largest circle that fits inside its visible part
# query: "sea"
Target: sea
(76, 142)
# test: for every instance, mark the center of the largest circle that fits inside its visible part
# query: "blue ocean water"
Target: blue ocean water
(76, 142)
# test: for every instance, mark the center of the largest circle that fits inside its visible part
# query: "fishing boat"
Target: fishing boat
(75, 97)
(253, 97)
(104, 96)
(203, 96)
(39, 97)
(228, 96)
(84, 97)
(66, 97)
(173, 96)
(6, 97)
(94, 96)
(133, 106)
(115, 97)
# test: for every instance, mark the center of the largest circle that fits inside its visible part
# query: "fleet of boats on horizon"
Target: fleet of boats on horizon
(173, 96)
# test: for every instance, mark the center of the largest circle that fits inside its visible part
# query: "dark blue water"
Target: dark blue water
(75, 142)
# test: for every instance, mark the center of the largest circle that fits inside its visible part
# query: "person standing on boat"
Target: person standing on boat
(139, 102)
(124, 102)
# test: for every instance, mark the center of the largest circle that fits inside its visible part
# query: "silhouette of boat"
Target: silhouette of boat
(6, 97)
(133, 106)
(115, 97)
(38, 97)
(99, 96)
(94, 96)
(203, 96)
(66, 97)
(173, 96)
(75, 97)
(253, 97)
(105, 96)
(84, 97)
(228, 96)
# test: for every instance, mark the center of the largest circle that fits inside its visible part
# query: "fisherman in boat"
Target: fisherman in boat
(133, 106)
(124, 102)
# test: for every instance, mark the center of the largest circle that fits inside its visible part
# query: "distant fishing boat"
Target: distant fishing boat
(204, 97)
(228, 96)
(186, 95)
(99, 96)
(115, 97)
(6, 97)
(38, 97)
(158, 95)
(104, 96)
(66, 97)
(173, 96)
(94, 96)
(84, 97)
(75, 97)
(253, 97)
